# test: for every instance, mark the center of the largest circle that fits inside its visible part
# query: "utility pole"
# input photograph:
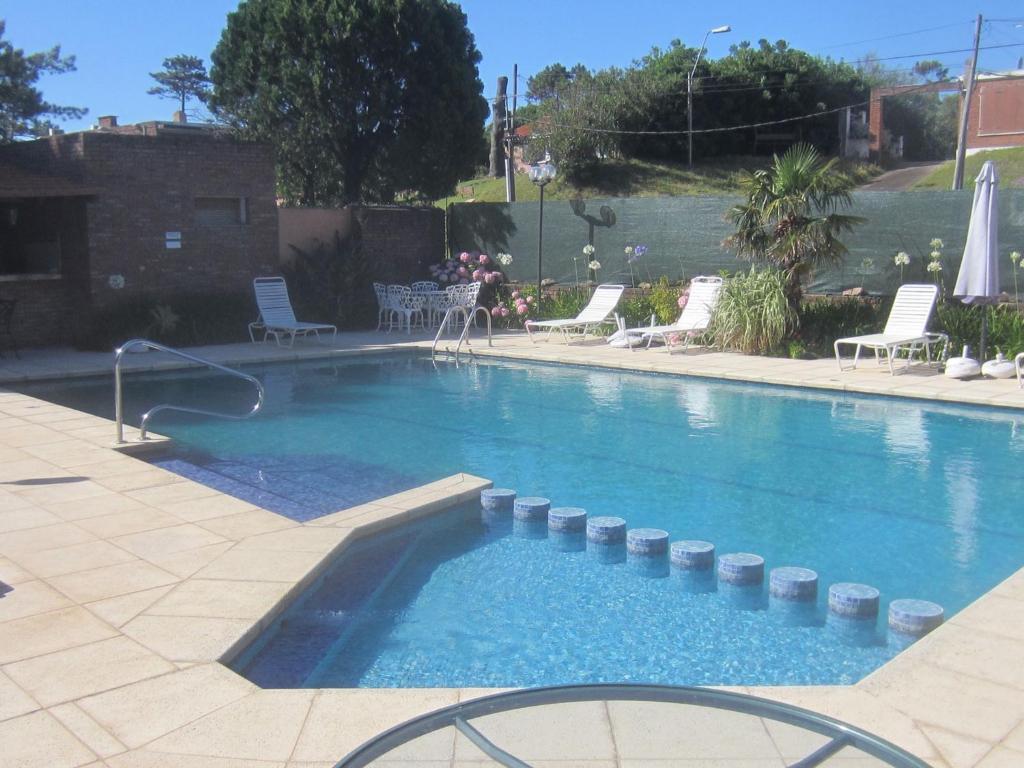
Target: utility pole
(510, 140)
(969, 77)
(497, 161)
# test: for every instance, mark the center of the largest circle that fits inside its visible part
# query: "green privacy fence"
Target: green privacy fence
(684, 235)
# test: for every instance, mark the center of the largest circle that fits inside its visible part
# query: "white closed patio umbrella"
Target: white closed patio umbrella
(978, 280)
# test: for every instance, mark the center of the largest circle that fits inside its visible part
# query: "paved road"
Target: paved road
(900, 178)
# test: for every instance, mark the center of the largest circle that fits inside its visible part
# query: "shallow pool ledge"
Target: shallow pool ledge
(403, 507)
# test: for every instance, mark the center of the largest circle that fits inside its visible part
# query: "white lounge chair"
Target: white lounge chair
(277, 318)
(596, 313)
(905, 330)
(693, 320)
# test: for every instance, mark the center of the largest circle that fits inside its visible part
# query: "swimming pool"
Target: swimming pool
(911, 497)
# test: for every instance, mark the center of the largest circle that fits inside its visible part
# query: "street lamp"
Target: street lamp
(541, 174)
(689, 90)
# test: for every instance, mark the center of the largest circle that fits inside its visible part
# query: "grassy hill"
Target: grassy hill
(1009, 163)
(634, 178)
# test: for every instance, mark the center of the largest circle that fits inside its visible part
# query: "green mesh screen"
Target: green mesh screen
(684, 236)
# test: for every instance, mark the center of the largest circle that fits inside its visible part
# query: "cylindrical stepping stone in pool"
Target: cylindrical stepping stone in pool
(858, 601)
(741, 568)
(914, 617)
(497, 499)
(792, 583)
(567, 519)
(692, 555)
(646, 542)
(606, 530)
(531, 508)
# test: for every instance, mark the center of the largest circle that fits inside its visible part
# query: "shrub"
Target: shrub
(332, 283)
(181, 320)
(664, 299)
(823, 320)
(753, 315)
(963, 325)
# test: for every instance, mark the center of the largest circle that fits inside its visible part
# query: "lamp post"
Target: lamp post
(541, 174)
(689, 90)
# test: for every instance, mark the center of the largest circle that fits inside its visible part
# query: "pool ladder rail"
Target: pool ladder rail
(144, 423)
(466, 315)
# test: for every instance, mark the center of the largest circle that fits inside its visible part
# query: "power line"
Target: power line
(936, 53)
(898, 34)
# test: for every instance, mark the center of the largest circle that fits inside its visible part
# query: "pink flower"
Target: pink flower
(520, 302)
(522, 309)
(683, 298)
(529, 299)
(489, 277)
(462, 272)
(505, 312)
(498, 277)
(485, 259)
(515, 294)
(477, 274)
(496, 311)
(464, 257)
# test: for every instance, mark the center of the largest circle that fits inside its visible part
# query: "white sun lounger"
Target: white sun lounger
(277, 318)
(597, 312)
(693, 320)
(904, 331)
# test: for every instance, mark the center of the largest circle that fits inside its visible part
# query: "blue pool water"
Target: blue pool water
(913, 498)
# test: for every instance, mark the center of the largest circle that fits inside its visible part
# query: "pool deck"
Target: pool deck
(128, 583)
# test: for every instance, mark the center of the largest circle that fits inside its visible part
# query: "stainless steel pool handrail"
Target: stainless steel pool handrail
(146, 343)
(464, 336)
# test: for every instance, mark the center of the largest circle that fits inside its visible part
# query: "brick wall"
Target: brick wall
(997, 114)
(150, 185)
(400, 243)
(142, 185)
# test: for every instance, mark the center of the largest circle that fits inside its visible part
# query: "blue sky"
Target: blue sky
(117, 44)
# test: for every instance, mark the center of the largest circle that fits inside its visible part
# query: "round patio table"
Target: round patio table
(629, 723)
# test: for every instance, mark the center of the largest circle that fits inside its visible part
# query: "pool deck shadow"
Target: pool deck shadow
(129, 585)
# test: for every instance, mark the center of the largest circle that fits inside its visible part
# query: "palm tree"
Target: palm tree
(790, 216)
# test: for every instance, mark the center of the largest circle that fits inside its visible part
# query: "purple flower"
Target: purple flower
(640, 250)
(462, 272)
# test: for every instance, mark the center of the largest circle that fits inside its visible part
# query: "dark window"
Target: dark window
(222, 210)
(30, 237)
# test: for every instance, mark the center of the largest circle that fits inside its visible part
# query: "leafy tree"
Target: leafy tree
(23, 111)
(790, 217)
(362, 99)
(182, 78)
(552, 81)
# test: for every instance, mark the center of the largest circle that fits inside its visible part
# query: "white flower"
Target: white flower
(936, 244)
(116, 282)
(935, 266)
(935, 255)
(867, 264)
(504, 259)
(595, 265)
(1014, 256)
(588, 250)
(629, 250)
(902, 259)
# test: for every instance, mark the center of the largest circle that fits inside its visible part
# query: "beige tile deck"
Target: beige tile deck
(130, 583)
